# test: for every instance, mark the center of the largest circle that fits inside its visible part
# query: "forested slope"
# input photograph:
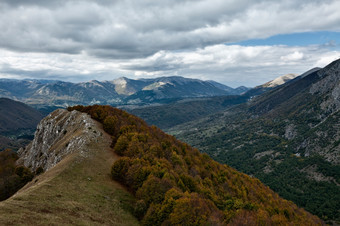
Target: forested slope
(174, 184)
(18, 122)
(288, 137)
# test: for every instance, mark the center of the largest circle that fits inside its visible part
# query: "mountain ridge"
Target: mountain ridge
(172, 114)
(121, 91)
(17, 123)
(76, 187)
(164, 175)
(287, 135)
(146, 150)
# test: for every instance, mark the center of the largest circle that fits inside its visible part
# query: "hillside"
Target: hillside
(169, 115)
(168, 176)
(76, 189)
(288, 137)
(16, 116)
(162, 175)
(237, 91)
(17, 123)
(121, 91)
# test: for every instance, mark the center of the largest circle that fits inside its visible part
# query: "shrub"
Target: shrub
(120, 168)
(121, 145)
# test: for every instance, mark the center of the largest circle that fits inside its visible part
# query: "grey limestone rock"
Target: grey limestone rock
(59, 134)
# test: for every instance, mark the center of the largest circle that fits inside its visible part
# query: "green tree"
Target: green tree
(110, 124)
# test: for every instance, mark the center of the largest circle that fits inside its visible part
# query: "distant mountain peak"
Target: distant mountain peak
(120, 81)
(280, 80)
(91, 83)
(123, 86)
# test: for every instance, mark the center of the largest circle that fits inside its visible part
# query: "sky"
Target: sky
(234, 42)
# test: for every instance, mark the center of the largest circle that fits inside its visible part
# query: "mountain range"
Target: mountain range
(121, 91)
(284, 132)
(192, 109)
(288, 137)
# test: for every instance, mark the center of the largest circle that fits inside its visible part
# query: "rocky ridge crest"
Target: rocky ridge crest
(59, 134)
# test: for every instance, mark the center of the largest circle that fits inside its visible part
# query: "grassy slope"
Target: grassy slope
(77, 191)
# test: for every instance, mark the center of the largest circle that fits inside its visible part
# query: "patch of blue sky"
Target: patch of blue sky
(326, 38)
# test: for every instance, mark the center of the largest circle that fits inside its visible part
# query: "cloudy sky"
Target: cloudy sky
(235, 42)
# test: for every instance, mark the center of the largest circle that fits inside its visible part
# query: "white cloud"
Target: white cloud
(230, 64)
(132, 29)
(296, 55)
(79, 40)
(233, 64)
(327, 58)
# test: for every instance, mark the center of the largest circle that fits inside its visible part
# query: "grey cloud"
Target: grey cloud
(159, 65)
(133, 29)
(17, 3)
(232, 65)
(48, 74)
(153, 68)
(79, 40)
(8, 69)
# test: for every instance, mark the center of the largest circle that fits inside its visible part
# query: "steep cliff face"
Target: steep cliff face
(59, 134)
(329, 86)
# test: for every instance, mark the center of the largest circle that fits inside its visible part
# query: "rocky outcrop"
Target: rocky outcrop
(290, 132)
(329, 85)
(59, 134)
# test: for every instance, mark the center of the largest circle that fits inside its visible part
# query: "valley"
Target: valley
(158, 176)
(170, 113)
(288, 137)
(284, 132)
